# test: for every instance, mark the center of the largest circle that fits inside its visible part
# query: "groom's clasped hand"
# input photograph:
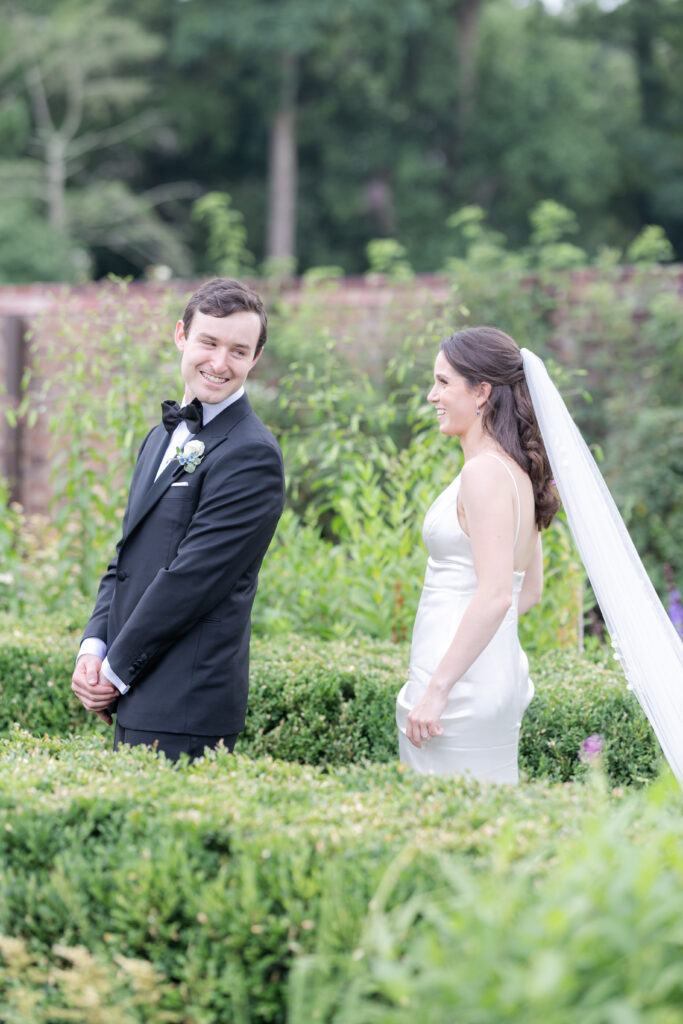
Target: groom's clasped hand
(93, 689)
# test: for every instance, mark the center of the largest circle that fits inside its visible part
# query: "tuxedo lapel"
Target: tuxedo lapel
(149, 463)
(147, 490)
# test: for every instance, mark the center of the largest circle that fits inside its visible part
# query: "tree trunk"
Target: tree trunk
(282, 171)
(55, 173)
(644, 20)
(467, 18)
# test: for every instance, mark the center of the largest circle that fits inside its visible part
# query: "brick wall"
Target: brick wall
(359, 312)
(365, 316)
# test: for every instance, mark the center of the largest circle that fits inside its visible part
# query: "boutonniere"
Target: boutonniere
(190, 456)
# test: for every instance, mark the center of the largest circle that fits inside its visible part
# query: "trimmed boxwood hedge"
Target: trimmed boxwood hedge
(593, 937)
(132, 890)
(331, 703)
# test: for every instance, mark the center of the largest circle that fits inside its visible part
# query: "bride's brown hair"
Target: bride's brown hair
(487, 355)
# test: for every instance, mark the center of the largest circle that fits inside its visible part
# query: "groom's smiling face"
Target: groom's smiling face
(217, 354)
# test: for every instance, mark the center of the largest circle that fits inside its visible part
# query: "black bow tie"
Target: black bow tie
(172, 414)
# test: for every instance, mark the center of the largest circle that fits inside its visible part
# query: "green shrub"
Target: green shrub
(205, 882)
(575, 698)
(35, 681)
(332, 703)
(349, 410)
(593, 937)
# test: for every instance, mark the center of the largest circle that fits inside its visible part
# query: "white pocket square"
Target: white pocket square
(181, 483)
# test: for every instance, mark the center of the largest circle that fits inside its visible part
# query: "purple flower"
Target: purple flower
(676, 610)
(591, 748)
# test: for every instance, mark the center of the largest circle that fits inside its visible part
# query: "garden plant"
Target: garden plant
(310, 877)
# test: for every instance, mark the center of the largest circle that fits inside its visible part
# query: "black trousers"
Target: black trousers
(172, 744)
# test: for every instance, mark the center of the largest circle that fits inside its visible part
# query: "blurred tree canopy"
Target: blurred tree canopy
(328, 125)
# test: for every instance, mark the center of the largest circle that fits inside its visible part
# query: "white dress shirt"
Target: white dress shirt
(181, 434)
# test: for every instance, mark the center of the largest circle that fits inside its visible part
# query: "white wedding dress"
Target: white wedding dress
(483, 715)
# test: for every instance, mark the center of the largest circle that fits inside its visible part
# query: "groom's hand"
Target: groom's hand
(94, 690)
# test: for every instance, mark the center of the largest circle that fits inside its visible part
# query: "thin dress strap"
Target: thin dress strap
(519, 507)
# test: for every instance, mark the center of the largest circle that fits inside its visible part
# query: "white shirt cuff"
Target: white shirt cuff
(93, 645)
(112, 676)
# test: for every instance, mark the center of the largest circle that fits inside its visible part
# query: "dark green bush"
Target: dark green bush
(184, 894)
(575, 698)
(35, 682)
(596, 938)
(332, 703)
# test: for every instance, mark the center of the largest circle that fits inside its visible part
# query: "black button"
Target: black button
(121, 575)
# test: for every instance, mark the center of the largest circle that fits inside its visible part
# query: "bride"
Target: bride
(468, 684)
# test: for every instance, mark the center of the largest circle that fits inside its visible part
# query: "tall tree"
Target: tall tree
(651, 33)
(271, 40)
(77, 75)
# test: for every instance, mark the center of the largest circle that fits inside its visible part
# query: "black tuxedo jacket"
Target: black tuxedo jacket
(174, 606)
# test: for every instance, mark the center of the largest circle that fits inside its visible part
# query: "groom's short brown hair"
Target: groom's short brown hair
(222, 296)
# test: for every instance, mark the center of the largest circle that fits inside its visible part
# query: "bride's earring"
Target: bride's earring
(477, 408)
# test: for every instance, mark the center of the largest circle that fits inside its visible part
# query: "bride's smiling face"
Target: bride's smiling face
(454, 400)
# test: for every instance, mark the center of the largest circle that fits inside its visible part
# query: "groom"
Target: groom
(167, 645)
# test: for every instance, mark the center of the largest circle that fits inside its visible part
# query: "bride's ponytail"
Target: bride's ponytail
(538, 467)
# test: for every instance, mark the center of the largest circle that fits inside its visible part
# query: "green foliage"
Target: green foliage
(366, 574)
(71, 81)
(492, 284)
(651, 246)
(226, 245)
(553, 943)
(106, 401)
(578, 697)
(387, 257)
(645, 472)
(10, 561)
(369, 577)
(398, 113)
(201, 885)
(32, 250)
(69, 983)
(333, 703)
(363, 459)
(622, 328)
(550, 222)
(364, 462)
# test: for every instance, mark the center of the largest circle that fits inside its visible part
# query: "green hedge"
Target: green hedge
(332, 703)
(598, 939)
(132, 890)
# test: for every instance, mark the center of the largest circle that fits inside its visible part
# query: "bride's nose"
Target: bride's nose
(431, 397)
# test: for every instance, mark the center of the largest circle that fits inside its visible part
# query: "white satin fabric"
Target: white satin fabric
(482, 719)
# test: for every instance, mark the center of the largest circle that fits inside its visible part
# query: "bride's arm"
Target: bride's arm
(532, 588)
(488, 501)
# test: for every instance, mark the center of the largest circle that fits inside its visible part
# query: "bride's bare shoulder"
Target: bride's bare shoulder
(484, 474)
(481, 472)
(483, 467)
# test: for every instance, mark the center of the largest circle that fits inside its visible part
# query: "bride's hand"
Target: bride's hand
(423, 720)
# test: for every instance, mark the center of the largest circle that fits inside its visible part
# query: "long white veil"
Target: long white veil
(644, 639)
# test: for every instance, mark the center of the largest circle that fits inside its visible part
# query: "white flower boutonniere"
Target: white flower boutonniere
(190, 456)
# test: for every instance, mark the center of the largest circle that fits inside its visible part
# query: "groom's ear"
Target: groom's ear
(180, 338)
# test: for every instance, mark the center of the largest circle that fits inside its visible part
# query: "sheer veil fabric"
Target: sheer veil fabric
(644, 639)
